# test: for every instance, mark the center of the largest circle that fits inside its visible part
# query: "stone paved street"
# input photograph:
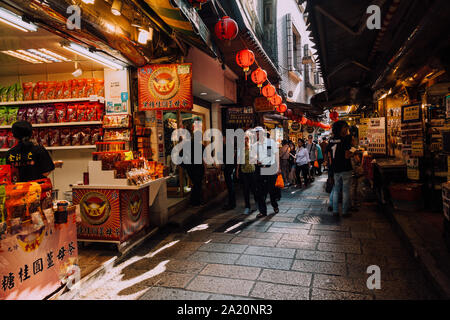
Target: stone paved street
(301, 253)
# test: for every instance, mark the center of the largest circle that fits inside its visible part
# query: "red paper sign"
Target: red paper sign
(165, 87)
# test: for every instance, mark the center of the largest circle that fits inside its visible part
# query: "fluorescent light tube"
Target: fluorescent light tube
(75, 48)
(16, 21)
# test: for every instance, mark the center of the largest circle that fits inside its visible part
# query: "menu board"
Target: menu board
(411, 113)
(376, 135)
(239, 118)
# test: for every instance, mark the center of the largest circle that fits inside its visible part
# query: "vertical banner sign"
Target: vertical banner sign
(116, 91)
(165, 87)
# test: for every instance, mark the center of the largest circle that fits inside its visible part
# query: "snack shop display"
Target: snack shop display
(116, 121)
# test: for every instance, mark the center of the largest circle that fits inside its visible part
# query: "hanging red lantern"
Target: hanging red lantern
(259, 76)
(304, 120)
(245, 58)
(276, 100)
(269, 91)
(334, 116)
(282, 108)
(226, 29)
(289, 113)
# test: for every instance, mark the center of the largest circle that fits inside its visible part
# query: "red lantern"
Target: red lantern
(289, 113)
(304, 120)
(269, 91)
(276, 100)
(282, 108)
(245, 58)
(259, 76)
(334, 116)
(226, 29)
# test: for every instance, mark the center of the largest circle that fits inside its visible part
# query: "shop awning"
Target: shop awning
(186, 23)
(351, 56)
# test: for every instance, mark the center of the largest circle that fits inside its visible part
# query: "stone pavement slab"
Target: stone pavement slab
(221, 285)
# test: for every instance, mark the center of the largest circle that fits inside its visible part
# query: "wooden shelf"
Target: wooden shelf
(15, 103)
(59, 124)
(61, 148)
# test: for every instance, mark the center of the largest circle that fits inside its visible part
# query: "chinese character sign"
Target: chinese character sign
(165, 87)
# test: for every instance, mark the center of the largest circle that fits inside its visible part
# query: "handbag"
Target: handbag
(279, 183)
(316, 164)
(329, 185)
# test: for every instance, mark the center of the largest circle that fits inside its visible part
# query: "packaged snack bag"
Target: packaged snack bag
(31, 115)
(99, 87)
(12, 115)
(81, 112)
(74, 88)
(41, 90)
(11, 140)
(60, 112)
(82, 88)
(44, 136)
(90, 87)
(3, 138)
(59, 87)
(19, 92)
(54, 137)
(28, 91)
(96, 135)
(50, 91)
(4, 94)
(76, 136)
(91, 112)
(67, 90)
(12, 93)
(22, 114)
(65, 138)
(50, 114)
(100, 111)
(3, 115)
(35, 136)
(40, 114)
(71, 113)
(86, 137)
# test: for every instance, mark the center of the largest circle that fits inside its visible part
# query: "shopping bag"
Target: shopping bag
(316, 164)
(279, 183)
(329, 185)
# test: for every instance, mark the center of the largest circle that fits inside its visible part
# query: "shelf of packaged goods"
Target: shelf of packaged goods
(61, 148)
(59, 124)
(16, 103)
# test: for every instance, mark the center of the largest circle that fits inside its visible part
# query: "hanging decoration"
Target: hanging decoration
(304, 120)
(198, 3)
(269, 91)
(334, 116)
(282, 108)
(245, 58)
(226, 29)
(276, 100)
(259, 76)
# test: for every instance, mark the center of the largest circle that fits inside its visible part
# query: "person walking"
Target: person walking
(246, 173)
(228, 171)
(319, 159)
(312, 152)
(284, 161)
(341, 154)
(302, 163)
(323, 146)
(263, 154)
(292, 165)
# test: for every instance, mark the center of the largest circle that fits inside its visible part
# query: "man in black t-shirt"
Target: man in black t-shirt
(340, 152)
(32, 162)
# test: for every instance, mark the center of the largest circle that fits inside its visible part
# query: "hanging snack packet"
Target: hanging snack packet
(65, 138)
(50, 91)
(82, 88)
(59, 87)
(4, 94)
(54, 138)
(41, 90)
(74, 88)
(19, 92)
(22, 114)
(67, 90)
(71, 114)
(50, 114)
(91, 112)
(60, 112)
(28, 91)
(12, 115)
(12, 93)
(40, 114)
(90, 87)
(3, 115)
(31, 115)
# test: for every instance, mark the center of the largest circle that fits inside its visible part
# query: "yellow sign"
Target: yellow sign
(411, 113)
(261, 104)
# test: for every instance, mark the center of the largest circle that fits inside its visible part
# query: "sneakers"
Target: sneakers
(261, 215)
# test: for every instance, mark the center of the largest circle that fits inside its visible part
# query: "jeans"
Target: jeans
(304, 169)
(342, 181)
(249, 182)
(265, 184)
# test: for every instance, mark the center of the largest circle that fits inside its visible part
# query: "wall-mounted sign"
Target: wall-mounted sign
(165, 87)
(412, 165)
(116, 91)
(261, 104)
(411, 113)
(295, 127)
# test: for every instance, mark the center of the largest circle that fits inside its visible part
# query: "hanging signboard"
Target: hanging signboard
(411, 113)
(261, 104)
(165, 87)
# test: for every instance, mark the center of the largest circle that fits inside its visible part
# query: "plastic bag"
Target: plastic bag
(279, 183)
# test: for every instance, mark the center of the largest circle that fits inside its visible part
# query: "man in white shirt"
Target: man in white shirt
(264, 154)
(302, 161)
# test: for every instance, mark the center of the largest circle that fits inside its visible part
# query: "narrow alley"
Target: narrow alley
(299, 254)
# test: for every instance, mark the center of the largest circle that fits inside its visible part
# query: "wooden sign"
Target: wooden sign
(261, 104)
